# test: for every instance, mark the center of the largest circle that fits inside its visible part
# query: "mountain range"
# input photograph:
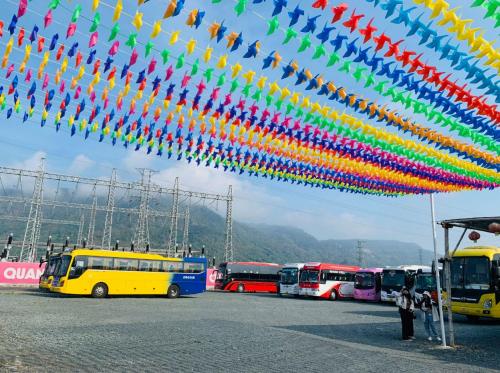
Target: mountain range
(251, 242)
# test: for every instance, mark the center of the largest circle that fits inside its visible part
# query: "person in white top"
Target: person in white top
(406, 310)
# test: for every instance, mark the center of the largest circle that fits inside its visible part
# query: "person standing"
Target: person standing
(430, 315)
(406, 308)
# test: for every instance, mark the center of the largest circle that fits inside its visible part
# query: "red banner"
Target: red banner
(19, 273)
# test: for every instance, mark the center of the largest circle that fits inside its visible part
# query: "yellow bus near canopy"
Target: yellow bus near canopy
(475, 282)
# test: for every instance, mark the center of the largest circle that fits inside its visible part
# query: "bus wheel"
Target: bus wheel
(173, 291)
(333, 295)
(100, 290)
(241, 288)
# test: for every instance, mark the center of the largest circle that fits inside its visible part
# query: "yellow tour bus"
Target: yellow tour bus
(48, 273)
(100, 273)
(475, 282)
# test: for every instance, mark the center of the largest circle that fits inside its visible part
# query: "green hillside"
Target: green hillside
(250, 241)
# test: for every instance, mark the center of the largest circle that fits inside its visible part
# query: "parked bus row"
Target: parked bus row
(475, 278)
(475, 281)
(100, 273)
(324, 280)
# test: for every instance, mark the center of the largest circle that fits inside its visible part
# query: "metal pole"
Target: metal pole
(32, 232)
(447, 272)
(79, 236)
(228, 247)
(438, 282)
(108, 223)
(459, 242)
(185, 234)
(172, 238)
(141, 234)
(93, 210)
(360, 252)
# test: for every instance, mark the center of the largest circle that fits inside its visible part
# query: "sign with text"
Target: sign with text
(19, 273)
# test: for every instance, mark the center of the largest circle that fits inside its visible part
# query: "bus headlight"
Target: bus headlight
(487, 304)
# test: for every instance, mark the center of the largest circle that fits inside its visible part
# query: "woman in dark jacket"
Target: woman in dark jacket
(406, 308)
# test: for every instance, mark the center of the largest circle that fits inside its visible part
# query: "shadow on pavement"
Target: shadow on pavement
(393, 313)
(69, 296)
(459, 319)
(477, 344)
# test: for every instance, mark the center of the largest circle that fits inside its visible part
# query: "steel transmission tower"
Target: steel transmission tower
(185, 233)
(37, 203)
(172, 237)
(228, 248)
(93, 210)
(34, 222)
(141, 234)
(360, 252)
(79, 237)
(108, 223)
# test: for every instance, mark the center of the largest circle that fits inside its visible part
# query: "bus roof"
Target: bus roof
(411, 267)
(122, 254)
(293, 265)
(331, 266)
(371, 270)
(487, 251)
(416, 267)
(253, 264)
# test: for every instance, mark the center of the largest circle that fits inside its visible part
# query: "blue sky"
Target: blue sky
(325, 214)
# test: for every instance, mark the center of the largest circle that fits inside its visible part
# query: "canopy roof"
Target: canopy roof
(478, 224)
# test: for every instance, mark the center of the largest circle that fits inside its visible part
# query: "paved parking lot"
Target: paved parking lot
(218, 332)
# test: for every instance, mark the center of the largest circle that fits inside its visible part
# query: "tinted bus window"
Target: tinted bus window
(477, 273)
(125, 264)
(193, 267)
(95, 262)
(172, 266)
(63, 265)
(149, 266)
(470, 273)
(78, 266)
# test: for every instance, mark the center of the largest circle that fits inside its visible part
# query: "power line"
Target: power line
(145, 187)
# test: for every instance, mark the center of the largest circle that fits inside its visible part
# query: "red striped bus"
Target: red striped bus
(250, 277)
(329, 281)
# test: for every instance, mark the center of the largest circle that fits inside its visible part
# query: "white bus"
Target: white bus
(394, 278)
(289, 279)
(426, 281)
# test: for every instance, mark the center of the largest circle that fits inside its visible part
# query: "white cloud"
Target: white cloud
(252, 203)
(325, 224)
(137, 159)
(31, 163)
(80, 164)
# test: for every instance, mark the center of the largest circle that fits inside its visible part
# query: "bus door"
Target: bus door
(496, 278)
